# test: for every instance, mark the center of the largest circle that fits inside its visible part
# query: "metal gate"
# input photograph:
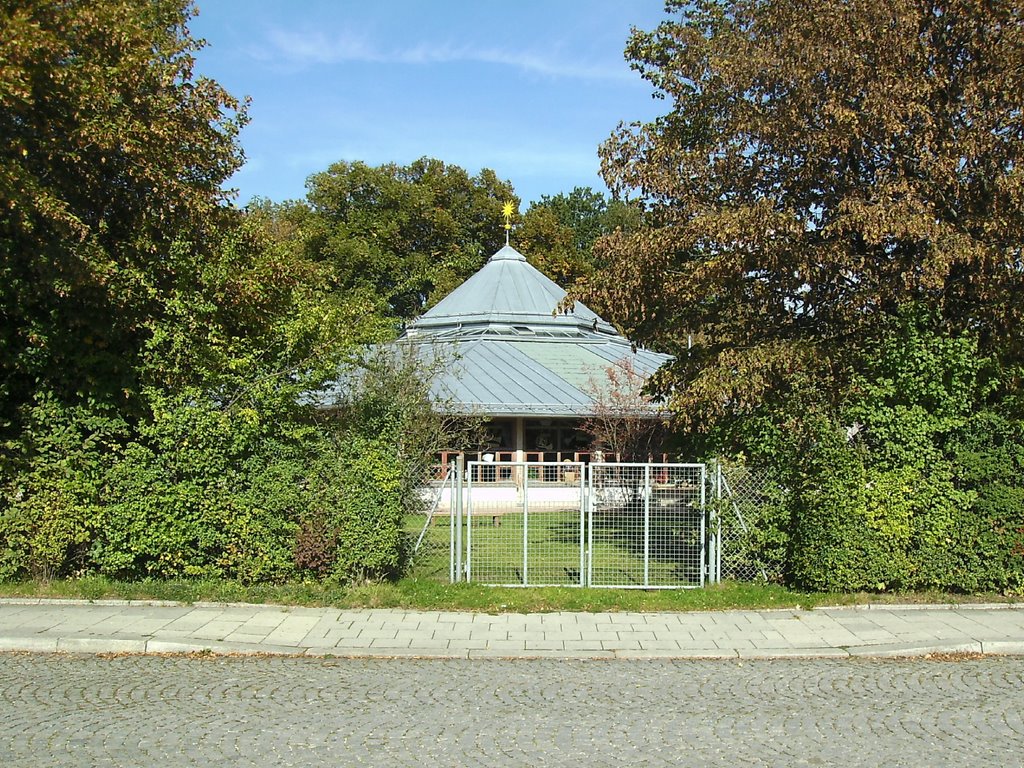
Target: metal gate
(643, 526)
(647, 526)
(525, 523)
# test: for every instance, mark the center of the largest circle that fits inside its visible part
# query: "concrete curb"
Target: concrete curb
(922, 607)
(101, 646)
(70, 601)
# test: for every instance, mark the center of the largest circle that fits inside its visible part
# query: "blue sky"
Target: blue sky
(529, 88)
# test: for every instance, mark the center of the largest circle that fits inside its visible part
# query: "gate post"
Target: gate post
(647, 492)
(526, 522)
(460, 477)
(452, 489)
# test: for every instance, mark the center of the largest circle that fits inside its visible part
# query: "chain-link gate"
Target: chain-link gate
(644, 526)
(525, 523)
(648, 526)
(604, 525)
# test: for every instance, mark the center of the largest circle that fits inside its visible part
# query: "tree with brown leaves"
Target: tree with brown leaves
(821, 167)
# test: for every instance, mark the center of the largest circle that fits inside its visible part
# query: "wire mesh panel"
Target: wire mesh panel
(647, 525)
(524, 523)
(429, 528)
(753, 508)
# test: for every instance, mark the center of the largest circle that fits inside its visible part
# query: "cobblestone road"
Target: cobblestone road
(177, 711)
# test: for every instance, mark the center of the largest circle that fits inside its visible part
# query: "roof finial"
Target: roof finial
(507, 210)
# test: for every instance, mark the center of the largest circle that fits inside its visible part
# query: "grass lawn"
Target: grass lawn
(425, 594)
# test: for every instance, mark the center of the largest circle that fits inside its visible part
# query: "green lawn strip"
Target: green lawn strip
(421, 594)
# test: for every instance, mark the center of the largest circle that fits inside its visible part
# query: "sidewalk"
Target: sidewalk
(78, 626)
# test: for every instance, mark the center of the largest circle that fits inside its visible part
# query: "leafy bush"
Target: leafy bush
(385, 431)
(50, 499)
(832, 547)
(989, 533)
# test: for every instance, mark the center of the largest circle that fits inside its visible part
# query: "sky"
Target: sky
(529, 89)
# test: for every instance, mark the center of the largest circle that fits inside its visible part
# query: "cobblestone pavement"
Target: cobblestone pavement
(278, 711)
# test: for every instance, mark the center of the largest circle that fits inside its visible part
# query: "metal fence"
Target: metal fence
(430, 528)
(525, 523)
(646, 526)
(753, 510)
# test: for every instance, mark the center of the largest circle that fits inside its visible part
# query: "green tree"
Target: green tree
(818, 169)
(112, 157)
(406, 234)
(156, 344)
(558, 233)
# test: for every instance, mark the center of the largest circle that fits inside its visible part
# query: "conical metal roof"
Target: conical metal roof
(506, 348)
(507, 295)
(509, 350)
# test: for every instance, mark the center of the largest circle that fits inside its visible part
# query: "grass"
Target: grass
(423, 594)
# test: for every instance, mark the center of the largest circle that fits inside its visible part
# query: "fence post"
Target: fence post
(454, 476)
(647, 524)
(460, 480)
(718, 521)
(526, 522)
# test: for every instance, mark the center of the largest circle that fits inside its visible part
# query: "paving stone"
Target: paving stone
(478, 710)
(997, 630)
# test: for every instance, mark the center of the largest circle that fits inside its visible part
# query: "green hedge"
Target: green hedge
(198, 490)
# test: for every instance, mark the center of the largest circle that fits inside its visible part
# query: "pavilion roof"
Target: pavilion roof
(509, 349)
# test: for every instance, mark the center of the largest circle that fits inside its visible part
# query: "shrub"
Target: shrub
(51, 494)
(988, 534)
(853, 525)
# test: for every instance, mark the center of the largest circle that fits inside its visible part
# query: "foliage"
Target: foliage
(405, 235)
(50, 512)
(988, 462)
(888, 493)
(249, 491)
(202, 492)
(158, 347)
(386, 428)
(111, 152)
(814, 173)
(558, 232)
(833, 218)
(627, 423)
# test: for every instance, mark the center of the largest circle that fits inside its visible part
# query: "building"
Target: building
(515, 355)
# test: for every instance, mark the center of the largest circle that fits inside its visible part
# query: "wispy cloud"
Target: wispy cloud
(317, 48)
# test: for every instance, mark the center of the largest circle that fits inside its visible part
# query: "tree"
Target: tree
(627, 424)
(407, 234)
(558, 232)
(820, 168)
(112, 157)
